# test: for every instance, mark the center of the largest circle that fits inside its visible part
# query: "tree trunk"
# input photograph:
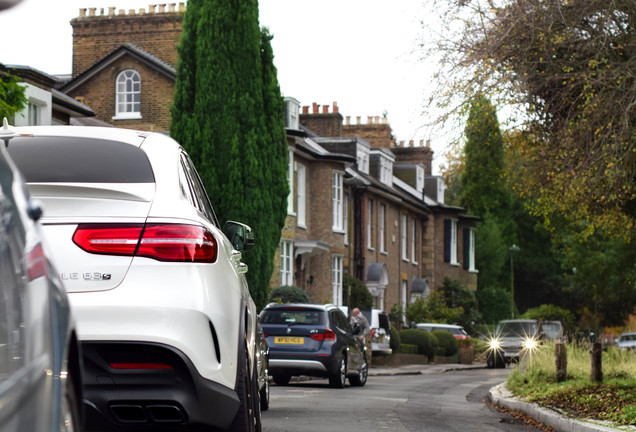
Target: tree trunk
(561, 359)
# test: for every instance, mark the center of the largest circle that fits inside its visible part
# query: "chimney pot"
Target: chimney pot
(182, 7)
(335, 106)
(428, 143)
(91, 11)
(401, 143)
(377, 119)
(111, 11)
(152, 8)
(358, 120)
(172, 7)
(314, 108)
(306, 109)
(82, 12)
(162, 8)
(348, 120)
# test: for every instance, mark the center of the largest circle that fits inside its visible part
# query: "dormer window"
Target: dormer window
(292, 108)
(362, 157)
(128, 95)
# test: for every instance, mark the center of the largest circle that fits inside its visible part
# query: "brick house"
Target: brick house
(124, 65)
(392, 235)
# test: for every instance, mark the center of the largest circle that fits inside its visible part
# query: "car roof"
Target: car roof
(439, 325)
(130, 136)
(324, 307)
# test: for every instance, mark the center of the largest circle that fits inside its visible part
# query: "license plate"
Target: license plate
(294, 340)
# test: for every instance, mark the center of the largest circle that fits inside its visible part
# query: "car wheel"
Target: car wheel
(247, 418)
(70, 415)
(282, 379)
(360, 379)
(337, 380)
(264, 395)
(490, 361)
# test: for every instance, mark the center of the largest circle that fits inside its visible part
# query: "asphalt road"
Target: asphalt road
(450, 401)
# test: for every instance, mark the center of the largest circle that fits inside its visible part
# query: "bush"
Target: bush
(408, 349)
(425, 341)
(395, 339)
(289, 294)
(446, 342)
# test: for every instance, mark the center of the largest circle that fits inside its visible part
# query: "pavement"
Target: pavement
(500, 396)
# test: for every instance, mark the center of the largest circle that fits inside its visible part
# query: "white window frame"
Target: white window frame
(286, 262)
(336, 280)
(471, 251)
(126, 109)
(301, 195)
(345, 210)
(370, 204)
(413, 241)
(404, 235)
(337, 202)
(382, 228)
(290, 181)
(453, 243)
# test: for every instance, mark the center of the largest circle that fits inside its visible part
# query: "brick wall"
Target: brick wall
(376, 131)
(156, 96)
(421, 154)
(97, 33)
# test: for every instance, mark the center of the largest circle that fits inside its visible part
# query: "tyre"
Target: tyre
(281, 379)
(337, 380)
(360, 379)
(248, 416)
(70, 415)
(264, 395)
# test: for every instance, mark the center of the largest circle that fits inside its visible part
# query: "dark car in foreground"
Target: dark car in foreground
(313, 340)
(40, 363)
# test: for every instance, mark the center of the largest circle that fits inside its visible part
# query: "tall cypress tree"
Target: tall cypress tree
(228, 115)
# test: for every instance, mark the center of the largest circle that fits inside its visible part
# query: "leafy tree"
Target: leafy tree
(457, 294)
(494, 304)
(564, 72)
(12, 98)
(355, 293)
(289, 294)
(551, 312)
(433, 309)
(228, 114)
(602, 277)
(484, 190)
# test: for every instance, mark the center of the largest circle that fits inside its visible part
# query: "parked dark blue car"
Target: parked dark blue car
(313, 340)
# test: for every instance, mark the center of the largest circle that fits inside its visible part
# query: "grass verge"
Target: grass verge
(613, 400)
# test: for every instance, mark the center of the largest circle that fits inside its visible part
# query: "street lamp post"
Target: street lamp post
(514, 248)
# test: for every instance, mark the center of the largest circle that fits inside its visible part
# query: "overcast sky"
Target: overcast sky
(362, 54)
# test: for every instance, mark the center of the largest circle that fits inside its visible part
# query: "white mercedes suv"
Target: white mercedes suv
(158, 289)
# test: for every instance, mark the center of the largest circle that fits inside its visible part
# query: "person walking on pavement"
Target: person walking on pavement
(359, 324)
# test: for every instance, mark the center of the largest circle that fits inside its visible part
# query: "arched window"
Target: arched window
(128, 95)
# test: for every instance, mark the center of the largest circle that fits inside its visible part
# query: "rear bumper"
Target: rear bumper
(144, 386)
(302, 364)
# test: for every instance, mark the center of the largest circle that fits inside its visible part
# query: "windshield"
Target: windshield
(294, 316)
(552, 330)
(516, 329)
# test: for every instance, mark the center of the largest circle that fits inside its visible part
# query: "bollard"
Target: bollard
(561, 360)
(596, 375)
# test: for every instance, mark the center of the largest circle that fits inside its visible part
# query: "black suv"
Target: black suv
(313, 340)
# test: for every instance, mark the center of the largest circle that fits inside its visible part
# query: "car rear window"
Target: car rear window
(79, 160)
(294, 316)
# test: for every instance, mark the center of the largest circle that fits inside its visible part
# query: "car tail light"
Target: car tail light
(372, 332)
(163, 242)
(328, 334)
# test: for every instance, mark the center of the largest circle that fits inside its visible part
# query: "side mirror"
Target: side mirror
(240, 235)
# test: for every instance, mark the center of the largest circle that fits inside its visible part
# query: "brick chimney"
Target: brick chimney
(325, 123)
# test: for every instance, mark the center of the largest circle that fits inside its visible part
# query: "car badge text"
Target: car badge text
(88, 276)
